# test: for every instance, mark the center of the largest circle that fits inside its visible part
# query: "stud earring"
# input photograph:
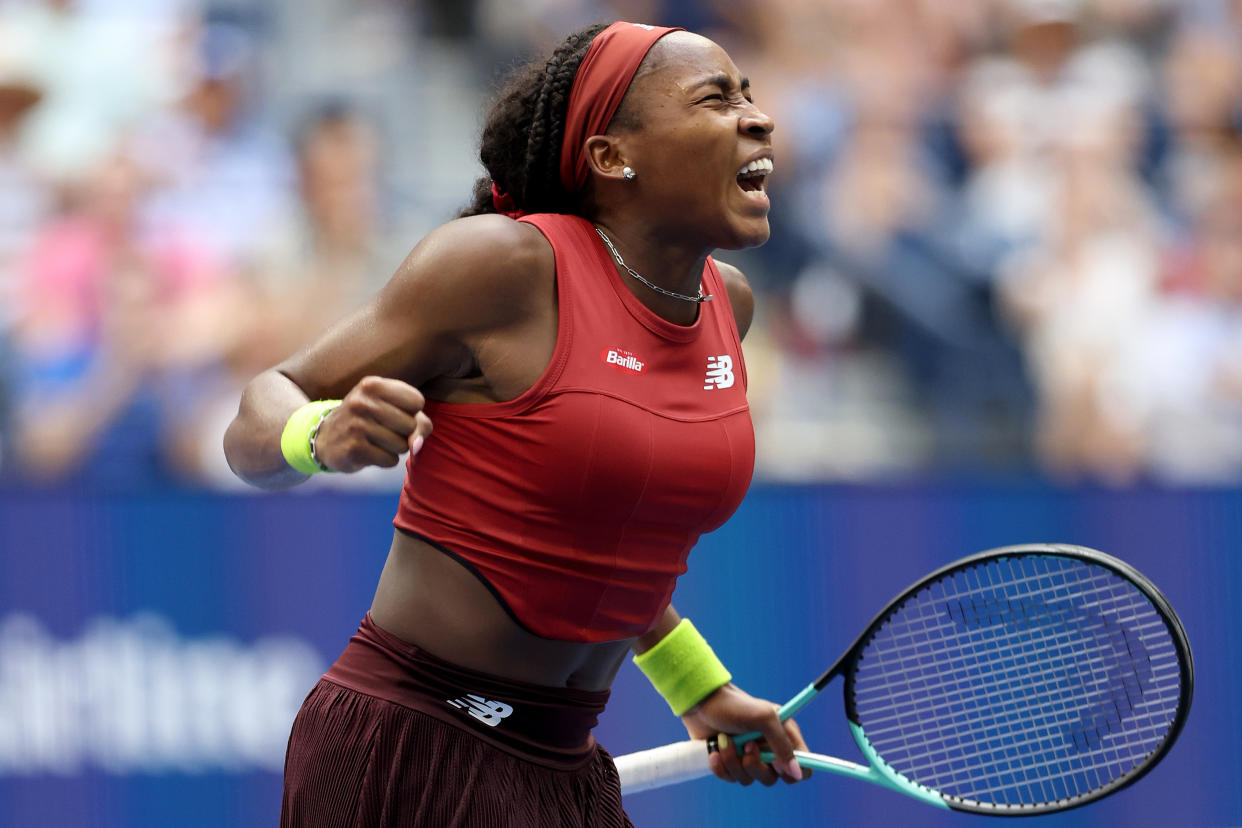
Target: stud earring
(628, 173)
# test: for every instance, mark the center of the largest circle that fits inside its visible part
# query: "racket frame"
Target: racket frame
(880, 773)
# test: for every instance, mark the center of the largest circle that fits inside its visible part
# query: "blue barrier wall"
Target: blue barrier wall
(153, 648)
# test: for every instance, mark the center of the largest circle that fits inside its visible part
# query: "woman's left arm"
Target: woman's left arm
(728, 709)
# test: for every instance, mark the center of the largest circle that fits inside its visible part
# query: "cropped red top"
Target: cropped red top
(577, 503)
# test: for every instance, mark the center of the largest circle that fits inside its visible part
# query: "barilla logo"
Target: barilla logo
(624, 360)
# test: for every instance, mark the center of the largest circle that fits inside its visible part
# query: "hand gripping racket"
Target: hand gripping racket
(1022, 680)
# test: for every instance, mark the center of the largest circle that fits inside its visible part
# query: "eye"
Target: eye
(715, 97)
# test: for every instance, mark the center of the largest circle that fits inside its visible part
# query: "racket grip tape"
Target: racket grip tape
(666, 765)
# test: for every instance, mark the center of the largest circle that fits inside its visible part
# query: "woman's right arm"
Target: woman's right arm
(465, 280)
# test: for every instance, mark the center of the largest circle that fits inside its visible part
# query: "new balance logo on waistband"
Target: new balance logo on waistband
(719, 372)
(486, 711)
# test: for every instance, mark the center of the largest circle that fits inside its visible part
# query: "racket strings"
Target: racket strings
(1058, 653)
(999, 730)
(1022, 680)
(1018, 744)
(1010, 675)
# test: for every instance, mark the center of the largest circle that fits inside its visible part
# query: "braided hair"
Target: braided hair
(521, 143)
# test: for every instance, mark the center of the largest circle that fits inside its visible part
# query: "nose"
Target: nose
(756, 123)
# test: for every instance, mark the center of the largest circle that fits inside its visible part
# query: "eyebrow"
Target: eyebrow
(723, 81)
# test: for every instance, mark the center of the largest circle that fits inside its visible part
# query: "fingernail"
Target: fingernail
(795, 770)
(416, 444)
(752, 748)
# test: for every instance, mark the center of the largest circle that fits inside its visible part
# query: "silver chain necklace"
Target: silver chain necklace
(685, 297)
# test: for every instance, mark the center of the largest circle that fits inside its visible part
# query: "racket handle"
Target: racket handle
(667, 765)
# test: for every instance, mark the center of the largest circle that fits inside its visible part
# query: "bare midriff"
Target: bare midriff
(430, 600)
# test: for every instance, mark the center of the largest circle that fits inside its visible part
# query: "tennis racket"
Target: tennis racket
(1021, 680)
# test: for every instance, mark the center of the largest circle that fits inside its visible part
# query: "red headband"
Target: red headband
(603, 76)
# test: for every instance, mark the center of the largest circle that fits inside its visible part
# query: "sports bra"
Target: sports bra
(577, 503)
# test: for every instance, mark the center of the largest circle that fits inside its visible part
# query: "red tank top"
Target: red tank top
(577, 502)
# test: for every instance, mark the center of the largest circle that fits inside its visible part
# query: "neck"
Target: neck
(665, 262)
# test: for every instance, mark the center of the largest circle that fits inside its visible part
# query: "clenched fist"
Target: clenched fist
(377, 421)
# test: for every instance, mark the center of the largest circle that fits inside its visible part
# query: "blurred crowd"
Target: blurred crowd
(1007, 234)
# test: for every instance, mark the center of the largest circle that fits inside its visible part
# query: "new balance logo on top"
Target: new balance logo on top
(486, 711)
(719, 372)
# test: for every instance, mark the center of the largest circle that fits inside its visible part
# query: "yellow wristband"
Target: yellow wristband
(682, 667)
(297, 441)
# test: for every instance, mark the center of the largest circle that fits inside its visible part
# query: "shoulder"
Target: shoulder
(475, 272)
(741, 299)
(479, 251)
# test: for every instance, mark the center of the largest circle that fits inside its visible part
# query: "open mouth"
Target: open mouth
(752, 177)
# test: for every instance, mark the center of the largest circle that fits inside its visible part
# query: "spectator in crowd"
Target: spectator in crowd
(124, 325)
(216, 162)
(100, 67)
(24, 198)
(1084, 293)
(333, 250)
(878, 211)
(1193, 345)
(24, 201)
(323, 261)
(1200, 107)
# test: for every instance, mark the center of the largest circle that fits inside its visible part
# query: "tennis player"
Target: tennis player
(579, 353)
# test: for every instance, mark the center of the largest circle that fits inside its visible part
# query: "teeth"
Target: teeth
(762, 166)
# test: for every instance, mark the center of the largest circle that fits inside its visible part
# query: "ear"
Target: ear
(606, 156)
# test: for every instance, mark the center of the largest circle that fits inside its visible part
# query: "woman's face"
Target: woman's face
(701, 148)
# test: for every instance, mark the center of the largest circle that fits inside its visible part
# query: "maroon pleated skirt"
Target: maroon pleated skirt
(392, 737)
